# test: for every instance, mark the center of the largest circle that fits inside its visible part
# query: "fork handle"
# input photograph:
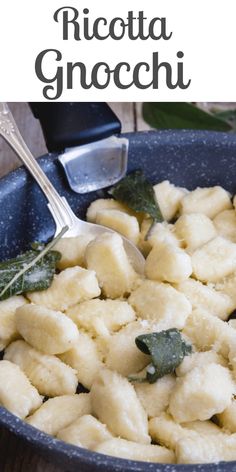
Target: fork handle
(68, 124)
(59, 208)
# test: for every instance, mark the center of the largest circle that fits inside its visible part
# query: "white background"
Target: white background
(205, 30)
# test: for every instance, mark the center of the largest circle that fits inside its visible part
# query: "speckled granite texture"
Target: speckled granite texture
(187, 159)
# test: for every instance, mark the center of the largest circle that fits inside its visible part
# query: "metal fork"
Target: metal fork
(58, 206)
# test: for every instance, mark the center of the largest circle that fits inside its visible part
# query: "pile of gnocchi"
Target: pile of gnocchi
(82, 330)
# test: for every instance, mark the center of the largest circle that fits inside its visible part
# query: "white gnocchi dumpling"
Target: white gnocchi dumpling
(118, 447)
(122, 354)
(206, 450)
(83, 329)
(210, 201)
(16, 392)
(164, 430)
(115, 403)
(8, 331)
(227, 287)
(86, 432)
(199, 394)
(163, 233)
(215, 260)
(194, 230)
(197, 359)
(168, 263)
(169, 197)
(161, 303)
(58, 412)
(85, 358)
(207, 298)
(72, 250)
(206, 331)
(106, 255)
(47, 330)
(121, 222)
(101, 317)
(203, 427)
(225, 224)
(71, 286)
(102, 204)
(47, 373)
(155, 397)
(152, 235)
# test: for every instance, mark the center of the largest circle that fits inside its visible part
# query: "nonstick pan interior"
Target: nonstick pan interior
(186, 158)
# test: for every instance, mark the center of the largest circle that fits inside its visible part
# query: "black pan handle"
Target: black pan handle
(68, 124)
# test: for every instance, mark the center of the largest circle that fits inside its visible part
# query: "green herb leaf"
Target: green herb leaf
(33, 270)
(167, 350)
(182, 116)
(227, 115)
(137, 192)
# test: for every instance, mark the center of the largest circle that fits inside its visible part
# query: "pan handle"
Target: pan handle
(69, 124)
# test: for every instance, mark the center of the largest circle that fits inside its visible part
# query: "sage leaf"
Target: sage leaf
(182, 116)
(167, 350)
(227, 115)
(33, 270)
(137, 192)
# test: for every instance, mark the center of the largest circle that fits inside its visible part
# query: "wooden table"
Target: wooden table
(14, 455)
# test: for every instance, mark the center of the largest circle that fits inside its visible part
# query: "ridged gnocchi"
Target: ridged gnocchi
(58, 412)
(50, 331)
(116, 404)
(131, 450)
(47, 373)
(85, 358)
(86, 432)
(8, 331)
(16, 392)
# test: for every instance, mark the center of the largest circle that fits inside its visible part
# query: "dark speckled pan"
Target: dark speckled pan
(188, 159)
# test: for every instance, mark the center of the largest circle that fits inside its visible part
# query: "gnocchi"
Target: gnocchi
(49, 331)
(106, 256)
(16, 392)
(8, 331)
(86, 432)
(47, 373)
(71, 286)
(95, 327)
(116, 404)
(58, 412)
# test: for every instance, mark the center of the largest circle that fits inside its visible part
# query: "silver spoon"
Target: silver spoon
(58, 206)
